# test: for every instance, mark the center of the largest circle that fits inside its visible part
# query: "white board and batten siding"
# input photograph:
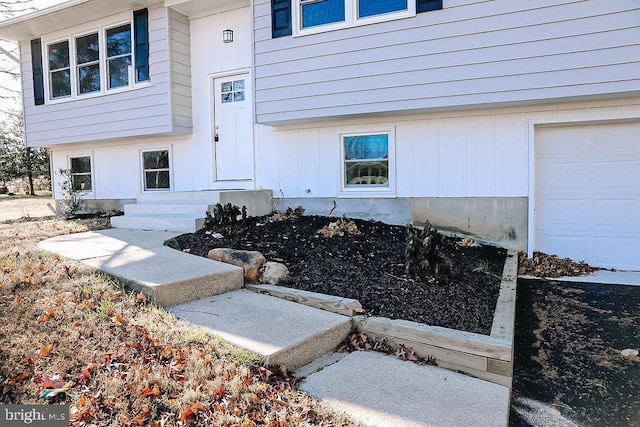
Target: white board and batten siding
(161, 106)
(211, 58)
(470, 53)
(483, 153)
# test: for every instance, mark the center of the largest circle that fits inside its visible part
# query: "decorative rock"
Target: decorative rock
(629, 352)
(250, 261)
(274, 273)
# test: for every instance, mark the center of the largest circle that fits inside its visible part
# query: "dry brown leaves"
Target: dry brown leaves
(543, 265)
(70, 335)
(362, 342)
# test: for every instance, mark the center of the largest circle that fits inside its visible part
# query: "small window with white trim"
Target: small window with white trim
(156, 170)
(81, 175)
(367, 161)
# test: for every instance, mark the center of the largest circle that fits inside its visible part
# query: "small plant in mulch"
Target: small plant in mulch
(484, 268)
(423, 256)
(224, 219)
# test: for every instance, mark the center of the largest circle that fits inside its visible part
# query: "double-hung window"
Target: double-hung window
(118, 56)
(323, 15)
(88, 63)
(81, 176)
(367, 161)
(300, 17)
(59, 70)
(93, 62)
(367, 8)
(156, 170)
(321, 12)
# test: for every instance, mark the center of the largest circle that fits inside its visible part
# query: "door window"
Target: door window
(232, 91)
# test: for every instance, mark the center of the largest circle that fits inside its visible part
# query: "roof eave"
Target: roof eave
(58, 17)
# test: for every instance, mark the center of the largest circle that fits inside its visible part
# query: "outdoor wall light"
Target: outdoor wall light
(227, 36)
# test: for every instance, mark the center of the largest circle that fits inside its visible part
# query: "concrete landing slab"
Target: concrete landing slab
(168, 276)
(140, 259)
(381, 390)
(282, 332)
(94, 244)
(607, 277)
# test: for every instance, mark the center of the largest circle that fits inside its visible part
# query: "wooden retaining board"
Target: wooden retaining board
(489, 357)
(345, 306)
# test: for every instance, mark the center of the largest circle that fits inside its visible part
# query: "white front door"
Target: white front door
(233, 128)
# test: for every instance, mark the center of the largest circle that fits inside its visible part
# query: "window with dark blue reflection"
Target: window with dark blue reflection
(322, 12)
(378, 7)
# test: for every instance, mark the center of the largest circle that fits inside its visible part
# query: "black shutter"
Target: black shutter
(280, 18)
(141, 40)
(427, 5)
(38, 77)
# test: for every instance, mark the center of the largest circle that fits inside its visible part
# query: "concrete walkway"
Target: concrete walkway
(373, 388)
(604, 277)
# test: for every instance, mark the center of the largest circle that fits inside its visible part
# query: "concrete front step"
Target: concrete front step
(284, 333)
(140, 259)
(197, 210)
(176, 223)
(202, 197)
(184, 212)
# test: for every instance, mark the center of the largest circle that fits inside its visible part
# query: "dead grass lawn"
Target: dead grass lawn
(74, 336)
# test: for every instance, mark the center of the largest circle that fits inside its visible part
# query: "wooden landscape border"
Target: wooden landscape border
(489, 357)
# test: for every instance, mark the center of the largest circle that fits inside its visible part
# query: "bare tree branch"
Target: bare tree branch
(9, 55)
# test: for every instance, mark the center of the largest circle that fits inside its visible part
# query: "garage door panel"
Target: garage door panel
(565, 245)
(575, 140)
(562, 214)
(563, 177)
(619, 176)
(587, 193)
(613, 214)
(621, 138)
(614, 252)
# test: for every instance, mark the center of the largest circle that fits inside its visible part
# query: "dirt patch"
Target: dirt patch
(369, 266)
(17, 207)
(569, 366)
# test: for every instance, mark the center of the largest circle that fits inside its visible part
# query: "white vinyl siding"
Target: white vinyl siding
(160, 106)
(180, 44)
(469, 53)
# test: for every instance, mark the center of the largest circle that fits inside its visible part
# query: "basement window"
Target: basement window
(156, 170)
(367, 162)
(81, 176)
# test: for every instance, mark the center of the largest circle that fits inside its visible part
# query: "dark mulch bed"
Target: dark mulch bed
(569, 367)
(370, 267)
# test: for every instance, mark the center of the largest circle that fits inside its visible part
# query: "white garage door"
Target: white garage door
(587, 193)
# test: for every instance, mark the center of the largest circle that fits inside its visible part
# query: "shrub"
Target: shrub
(225, 220)
(423, 256)
(71, 197)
